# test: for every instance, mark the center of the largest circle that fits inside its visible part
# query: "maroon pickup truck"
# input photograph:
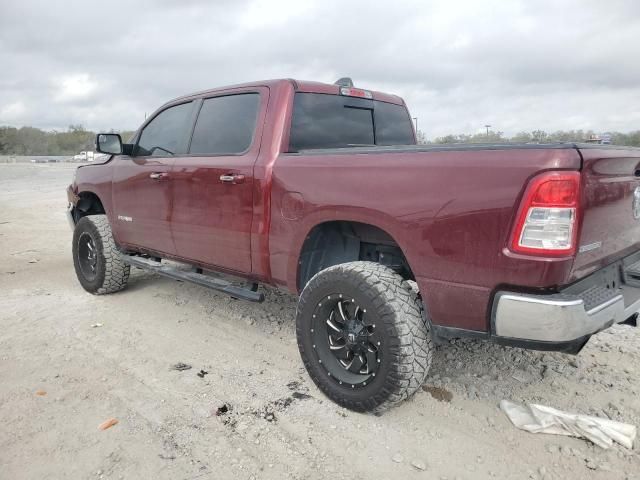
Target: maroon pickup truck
(321, 190)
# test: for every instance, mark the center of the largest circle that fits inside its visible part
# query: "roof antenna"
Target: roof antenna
(344, 82)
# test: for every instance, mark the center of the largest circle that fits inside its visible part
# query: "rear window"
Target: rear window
(337, 121)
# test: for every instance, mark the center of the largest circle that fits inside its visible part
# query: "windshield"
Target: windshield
(337, 121)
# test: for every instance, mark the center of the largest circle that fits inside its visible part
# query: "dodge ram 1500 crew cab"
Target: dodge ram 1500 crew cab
(321, 190)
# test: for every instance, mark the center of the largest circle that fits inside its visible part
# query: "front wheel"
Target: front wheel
(99, 266)
(363, 336)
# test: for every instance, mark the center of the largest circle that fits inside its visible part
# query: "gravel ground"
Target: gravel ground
(254, 414)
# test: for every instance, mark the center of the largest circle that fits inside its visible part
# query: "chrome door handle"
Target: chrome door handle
(232, 178)
(157, 175)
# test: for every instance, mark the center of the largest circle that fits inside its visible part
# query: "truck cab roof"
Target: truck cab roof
(298, 85)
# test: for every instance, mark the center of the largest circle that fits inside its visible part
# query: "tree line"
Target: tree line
(631, 139)
(34, 141)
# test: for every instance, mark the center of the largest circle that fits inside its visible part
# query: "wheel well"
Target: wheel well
(89, 204)
(336, 242)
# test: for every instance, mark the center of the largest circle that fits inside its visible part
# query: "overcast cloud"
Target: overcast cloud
(517, 65)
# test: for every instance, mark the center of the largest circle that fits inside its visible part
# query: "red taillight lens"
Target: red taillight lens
(547, 220)
(557, 192)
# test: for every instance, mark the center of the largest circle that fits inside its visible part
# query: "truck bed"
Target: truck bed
(457, 147)
(449, 207)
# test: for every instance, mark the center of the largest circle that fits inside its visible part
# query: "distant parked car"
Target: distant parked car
(101, 157)
(83, 157)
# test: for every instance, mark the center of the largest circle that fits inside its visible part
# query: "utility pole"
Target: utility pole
(487, 127)
(415, 119)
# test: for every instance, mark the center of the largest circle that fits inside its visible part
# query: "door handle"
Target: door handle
(158, 175)
(232, 178)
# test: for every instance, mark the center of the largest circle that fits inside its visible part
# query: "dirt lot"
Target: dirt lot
(278, 424)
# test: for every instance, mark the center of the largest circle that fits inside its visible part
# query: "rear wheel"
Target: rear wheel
(363, 336)
(98, 264)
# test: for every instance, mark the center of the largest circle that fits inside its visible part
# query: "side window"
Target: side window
(166, 134)
(225, 125)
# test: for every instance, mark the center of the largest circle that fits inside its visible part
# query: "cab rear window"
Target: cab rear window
(335, 121)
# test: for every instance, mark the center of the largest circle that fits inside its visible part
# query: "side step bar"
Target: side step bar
(193, 277)
(631, 274)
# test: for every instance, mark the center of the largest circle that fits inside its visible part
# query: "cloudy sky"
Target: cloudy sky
(515, 64)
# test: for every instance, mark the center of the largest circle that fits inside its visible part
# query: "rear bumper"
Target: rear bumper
(565, 321)
(556, 318)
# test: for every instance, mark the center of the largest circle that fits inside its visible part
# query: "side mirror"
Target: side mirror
(109, 143)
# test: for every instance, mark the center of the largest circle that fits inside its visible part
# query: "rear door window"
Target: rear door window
(225, 125)
(167, 134)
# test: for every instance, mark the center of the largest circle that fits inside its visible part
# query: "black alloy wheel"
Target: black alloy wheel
(363, 336)
(346, 340)
(87, 256)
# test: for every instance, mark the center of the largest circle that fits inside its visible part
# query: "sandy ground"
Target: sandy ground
(278, 425)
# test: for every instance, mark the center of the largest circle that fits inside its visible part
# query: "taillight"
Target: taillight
(547, 219)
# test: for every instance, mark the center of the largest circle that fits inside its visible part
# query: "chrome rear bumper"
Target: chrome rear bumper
(560, 317)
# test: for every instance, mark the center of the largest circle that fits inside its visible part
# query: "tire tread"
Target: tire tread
(116, 272)
(398, 305)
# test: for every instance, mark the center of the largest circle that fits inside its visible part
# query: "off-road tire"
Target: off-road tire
(111, 273)
(389, 301)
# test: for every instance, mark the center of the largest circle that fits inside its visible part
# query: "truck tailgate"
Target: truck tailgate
(610, 207)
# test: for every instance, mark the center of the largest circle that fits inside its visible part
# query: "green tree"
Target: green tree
(522, 137)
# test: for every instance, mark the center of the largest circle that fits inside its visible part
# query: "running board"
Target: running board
(631, 274)
(193, 277)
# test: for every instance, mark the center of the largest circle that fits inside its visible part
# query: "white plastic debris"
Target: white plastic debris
(541, 419)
